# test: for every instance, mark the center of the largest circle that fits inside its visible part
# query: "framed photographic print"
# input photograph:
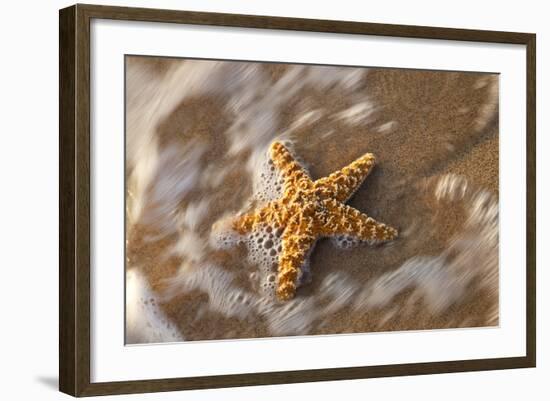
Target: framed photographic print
(252, 200)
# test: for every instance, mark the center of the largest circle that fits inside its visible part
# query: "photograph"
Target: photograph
(275, 199)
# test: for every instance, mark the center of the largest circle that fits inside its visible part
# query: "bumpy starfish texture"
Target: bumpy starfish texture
(309, 210)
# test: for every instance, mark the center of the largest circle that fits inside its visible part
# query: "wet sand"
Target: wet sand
(198, 129)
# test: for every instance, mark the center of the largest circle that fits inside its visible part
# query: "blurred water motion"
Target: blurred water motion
(197, 134)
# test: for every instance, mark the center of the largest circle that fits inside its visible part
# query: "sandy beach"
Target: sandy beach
(197, 136)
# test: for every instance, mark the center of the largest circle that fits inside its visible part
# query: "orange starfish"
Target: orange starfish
(309, 210)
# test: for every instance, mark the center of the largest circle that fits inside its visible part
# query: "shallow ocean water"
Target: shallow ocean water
(197, 138)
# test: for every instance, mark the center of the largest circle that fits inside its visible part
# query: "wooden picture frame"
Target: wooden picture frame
(74, 199)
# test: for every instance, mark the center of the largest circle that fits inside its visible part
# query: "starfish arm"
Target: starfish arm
(272, 214)
(341, 184)
(346, 220)
(284, 161)
(297, 242)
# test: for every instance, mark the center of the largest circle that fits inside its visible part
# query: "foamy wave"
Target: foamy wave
(441, 280)
(225, 297)
(359, 113)
(150, 98)
(145, 321)
(488, 110)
